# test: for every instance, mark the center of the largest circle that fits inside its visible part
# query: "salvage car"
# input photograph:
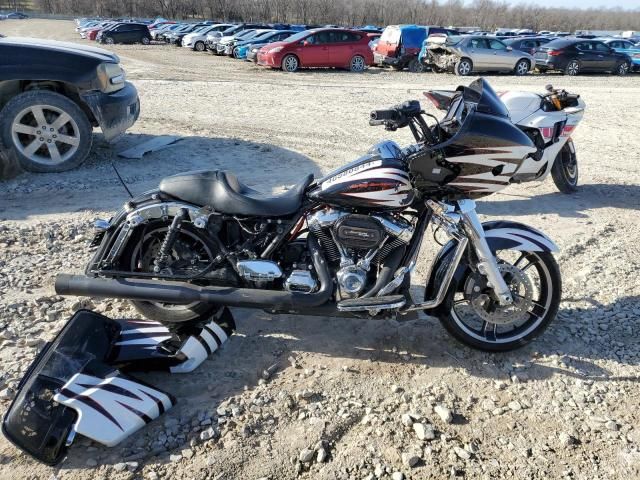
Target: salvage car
(468, 54)
(399, 46)
(527, 44)
(622, 45)
(326, 47)
(576, 55)
(52, 94)
(125, 33)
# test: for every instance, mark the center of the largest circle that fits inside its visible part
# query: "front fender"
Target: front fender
(500, 235)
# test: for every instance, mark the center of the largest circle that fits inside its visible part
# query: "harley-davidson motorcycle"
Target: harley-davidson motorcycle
(343, 245)
(548, 119)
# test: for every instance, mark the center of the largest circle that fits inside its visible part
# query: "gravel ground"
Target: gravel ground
(345, 399)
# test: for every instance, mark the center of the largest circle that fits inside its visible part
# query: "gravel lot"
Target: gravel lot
(345, 399)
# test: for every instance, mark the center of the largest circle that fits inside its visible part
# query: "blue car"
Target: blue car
(622, 45)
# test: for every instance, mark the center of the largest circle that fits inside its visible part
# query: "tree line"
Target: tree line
(484, 14)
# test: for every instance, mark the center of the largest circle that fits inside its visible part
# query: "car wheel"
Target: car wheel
(199, 47)
(290, 63)
(145, 41)
(236, 54)
(46, 131)
(415, 66)
(358, 64)
(109, 40)
(572, 68)
(464, 67)
(622, 68)
(522, 67)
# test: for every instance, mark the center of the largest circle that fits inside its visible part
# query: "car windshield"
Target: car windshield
(485, 98)
(454, 39)
(299, 36)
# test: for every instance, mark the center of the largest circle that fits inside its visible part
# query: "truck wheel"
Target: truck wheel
(415, 66)
(464, 67)
(46, 131)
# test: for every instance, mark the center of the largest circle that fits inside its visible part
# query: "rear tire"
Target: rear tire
(145, 40)
(522, 67)
(464, 67)
(565, 170)
(199, 47)
(572, 68)
(357, 64)
(415, 66)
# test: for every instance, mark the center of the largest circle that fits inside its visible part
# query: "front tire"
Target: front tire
(199, 47)
(464, 67)
(46, 131)
(470, 328)
(565, 170)
(522, 67)
(290, 63)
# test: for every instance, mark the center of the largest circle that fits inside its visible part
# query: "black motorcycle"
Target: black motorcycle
(345, 245)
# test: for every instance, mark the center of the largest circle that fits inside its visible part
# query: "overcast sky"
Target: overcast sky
(627, 4)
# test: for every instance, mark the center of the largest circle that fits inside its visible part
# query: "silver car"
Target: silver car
(465, 55)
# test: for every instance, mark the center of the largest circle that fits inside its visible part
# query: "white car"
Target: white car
(197, 40)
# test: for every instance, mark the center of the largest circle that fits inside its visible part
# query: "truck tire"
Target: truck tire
(46, 131)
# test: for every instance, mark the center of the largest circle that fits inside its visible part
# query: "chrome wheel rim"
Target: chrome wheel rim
(464, 68)
(290, 64)
(45, 134)
(523, 68)
(109, 40)
(573, 68)
(357, 64)
(539, 302)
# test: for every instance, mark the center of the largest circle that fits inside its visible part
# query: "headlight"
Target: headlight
(275, 50)
(111, 77)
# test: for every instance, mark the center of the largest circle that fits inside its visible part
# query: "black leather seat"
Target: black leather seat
(224, 193)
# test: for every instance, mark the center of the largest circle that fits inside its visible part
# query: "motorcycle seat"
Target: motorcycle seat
(223, 192)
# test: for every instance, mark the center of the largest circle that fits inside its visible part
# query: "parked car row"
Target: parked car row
(414, 47)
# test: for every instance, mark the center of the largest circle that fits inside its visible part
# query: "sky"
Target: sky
(626, 4)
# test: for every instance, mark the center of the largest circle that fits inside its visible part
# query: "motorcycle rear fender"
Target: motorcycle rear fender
(500, 235)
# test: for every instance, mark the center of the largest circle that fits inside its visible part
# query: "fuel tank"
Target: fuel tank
(378, 180)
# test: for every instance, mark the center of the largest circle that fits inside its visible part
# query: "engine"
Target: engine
(354, 242)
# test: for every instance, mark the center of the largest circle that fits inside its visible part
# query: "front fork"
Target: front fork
(461, 215)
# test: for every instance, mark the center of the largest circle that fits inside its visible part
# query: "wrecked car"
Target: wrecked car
(464, 55)
(52, 95)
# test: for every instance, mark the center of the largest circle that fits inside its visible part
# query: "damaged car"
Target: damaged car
(464, 55)
(52, 95)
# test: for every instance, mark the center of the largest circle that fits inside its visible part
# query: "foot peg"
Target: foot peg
(79, 382)
(387, 302)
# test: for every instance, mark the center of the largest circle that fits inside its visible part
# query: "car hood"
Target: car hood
(63, 47)
(275, 44)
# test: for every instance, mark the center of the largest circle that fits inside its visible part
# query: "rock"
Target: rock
(395, 389)
(410, 459)
(397, 476)
(176, 457)
(209, 433)
(306, 455)
(424, 431)
(187, 453)
(7, 394)
(611, 425)
(567, 440)
(444, 413)
(120, 467)
(406, 419)
(515, 406)
(152, 475)
(462, 453)
(321, 456)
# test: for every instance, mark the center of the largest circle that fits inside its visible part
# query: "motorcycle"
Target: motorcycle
(549, 120)
(344, 245)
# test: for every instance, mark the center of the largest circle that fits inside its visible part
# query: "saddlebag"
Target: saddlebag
(78, 384)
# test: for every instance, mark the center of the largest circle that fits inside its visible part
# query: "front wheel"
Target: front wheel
(473, 317)
(622, 68)
(416, 66)
(199, 47)
(565, 170)
(290, 63)
(464, 67)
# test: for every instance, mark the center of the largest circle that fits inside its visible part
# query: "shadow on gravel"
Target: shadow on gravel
(94, 185)
(588, 197)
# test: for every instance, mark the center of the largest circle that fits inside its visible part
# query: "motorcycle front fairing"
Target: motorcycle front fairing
(78, 383)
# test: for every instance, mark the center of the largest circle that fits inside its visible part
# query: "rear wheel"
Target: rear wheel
(464, 67)
(199, 47)
(145, 40)
(192, 252)
(622, 68)
(290, 63)
(474, 318)
(565, 170)
(416, 66)
(572, 68)
(357, 64)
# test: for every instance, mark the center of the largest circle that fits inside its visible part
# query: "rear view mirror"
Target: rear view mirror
(306, 43)
(509, 49)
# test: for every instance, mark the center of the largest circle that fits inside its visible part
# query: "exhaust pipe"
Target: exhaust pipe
(185, 293)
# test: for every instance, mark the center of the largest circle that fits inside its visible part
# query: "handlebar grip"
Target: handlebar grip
(382, 115)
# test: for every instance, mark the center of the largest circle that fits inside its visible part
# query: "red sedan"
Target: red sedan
(327, 47)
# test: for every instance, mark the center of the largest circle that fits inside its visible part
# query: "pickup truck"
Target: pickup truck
(52, 95)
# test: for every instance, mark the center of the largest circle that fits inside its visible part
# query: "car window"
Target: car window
(343, 37)
(322, 37)
(601, 47)
(497, 45)
(478, 43)
(528, 44)
(584, 46)
(390, 35)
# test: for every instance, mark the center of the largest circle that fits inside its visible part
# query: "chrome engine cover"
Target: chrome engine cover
(301, 281)
(258, 270)
(351, 280)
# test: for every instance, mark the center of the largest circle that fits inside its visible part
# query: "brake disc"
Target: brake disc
(490, 310)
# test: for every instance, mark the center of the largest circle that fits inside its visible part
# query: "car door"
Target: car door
(479, 52)
(587, 56)
(606, 60)
(341, 48)
(503, 59)
(313, 51)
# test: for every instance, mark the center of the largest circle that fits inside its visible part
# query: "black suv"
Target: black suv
(52, 95)
(125, 33)
(576, 55)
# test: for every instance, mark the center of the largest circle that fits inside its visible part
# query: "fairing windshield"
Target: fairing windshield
(485, 98)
